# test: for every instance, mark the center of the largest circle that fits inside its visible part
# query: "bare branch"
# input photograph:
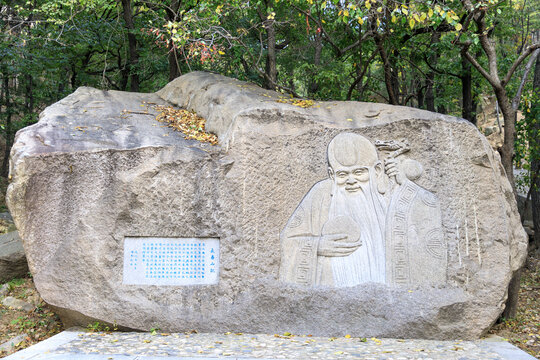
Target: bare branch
(518, 61)
(477, 66)
(528, 67)
(361, 76)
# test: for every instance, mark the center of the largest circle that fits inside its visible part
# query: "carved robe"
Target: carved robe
(415, 250)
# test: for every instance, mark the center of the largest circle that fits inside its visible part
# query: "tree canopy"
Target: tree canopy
(439, 55)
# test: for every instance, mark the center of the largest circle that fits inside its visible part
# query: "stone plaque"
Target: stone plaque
(171, 261)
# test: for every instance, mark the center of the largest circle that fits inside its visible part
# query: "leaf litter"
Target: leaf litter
(187, 122)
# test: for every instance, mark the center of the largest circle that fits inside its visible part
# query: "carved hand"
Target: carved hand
(336, 245)
(392, 170)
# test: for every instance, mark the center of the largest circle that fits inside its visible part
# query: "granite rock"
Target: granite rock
(89, 174)
(13, 342)
(18, 304)
(12, 259)
(4, 290)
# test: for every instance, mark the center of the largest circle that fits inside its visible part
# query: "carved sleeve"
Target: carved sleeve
(299, 246)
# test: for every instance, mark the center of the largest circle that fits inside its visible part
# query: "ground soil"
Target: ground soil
(524, 330)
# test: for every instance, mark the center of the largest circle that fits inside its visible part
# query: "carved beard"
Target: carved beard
(367, 208)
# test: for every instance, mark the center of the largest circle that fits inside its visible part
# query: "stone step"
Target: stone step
(77, 343)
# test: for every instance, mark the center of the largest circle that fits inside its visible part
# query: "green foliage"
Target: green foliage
(323, 49)
(15, 283)
(527, 145)
(101, 327)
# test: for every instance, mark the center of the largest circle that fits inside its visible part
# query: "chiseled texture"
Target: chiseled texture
(89, 174)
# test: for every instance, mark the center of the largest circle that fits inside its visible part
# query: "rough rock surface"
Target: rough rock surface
(18, 304)
(12, 259)
(88, 175)
(4, 290)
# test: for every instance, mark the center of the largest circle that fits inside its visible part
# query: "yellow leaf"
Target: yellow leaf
(346, 13)
(221, 52)
(379, 9)
(347, 336)
(378, 22)
(338, 352)
(368, 4)
(394, 19)
(360, 20)
(405, 11)
(458, 27)
(423, 17)
(430, 13)
(411, 23)
(349, 118)
(415, 16)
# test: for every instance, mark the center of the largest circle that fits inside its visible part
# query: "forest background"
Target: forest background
(438, 55)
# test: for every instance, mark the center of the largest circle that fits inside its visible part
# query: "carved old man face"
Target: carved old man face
(352, 161)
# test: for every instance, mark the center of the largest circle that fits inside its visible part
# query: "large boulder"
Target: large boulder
(406, 228)
(12, 258)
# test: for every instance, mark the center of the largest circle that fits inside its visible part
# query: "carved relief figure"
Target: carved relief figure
(368, 222)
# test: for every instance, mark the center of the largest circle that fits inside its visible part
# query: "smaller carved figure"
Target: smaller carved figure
(368, 222)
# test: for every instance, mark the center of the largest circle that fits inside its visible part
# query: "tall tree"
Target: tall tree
(127, 13)
(479, 16)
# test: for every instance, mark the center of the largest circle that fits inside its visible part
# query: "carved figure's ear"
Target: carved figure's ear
(378, 168)
(331, 172)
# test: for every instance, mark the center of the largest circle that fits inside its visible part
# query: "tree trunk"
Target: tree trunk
(314, 85)
(9, 130)
(394, 75)
(271, 62)
(510, 311)
(392, 98)
(430, 77)
(507, 156)
(440, 107)
(420, 96)
(171, 14)
(174, 67)
(29, 94)
(534, 144)
(507, 149)
(132, 44)
(468, 112)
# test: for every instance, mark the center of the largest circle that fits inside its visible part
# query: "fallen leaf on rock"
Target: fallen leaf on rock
(189, 123)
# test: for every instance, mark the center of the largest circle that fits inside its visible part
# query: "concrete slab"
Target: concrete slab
(76, 343)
